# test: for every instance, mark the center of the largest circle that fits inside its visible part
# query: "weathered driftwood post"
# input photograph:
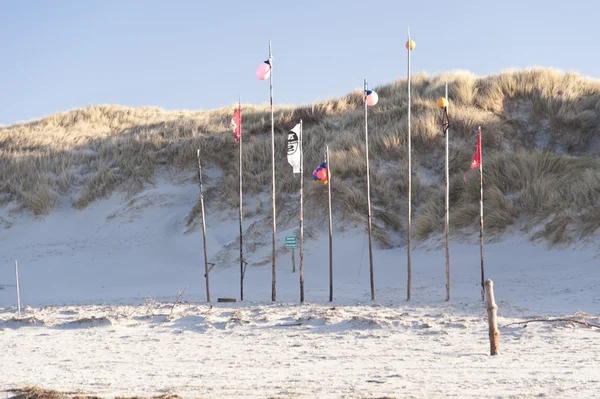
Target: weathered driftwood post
(206, 269)
(493, 326)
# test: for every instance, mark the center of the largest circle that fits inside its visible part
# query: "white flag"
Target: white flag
(293, 148)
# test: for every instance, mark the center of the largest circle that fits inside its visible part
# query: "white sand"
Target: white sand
(96, 266)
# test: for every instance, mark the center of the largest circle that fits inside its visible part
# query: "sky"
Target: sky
(198, 54)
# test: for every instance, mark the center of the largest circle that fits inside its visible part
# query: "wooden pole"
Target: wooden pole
(492, 308)
(408, 245)
(447, 206)
(368, 194)
(301, 215)
(274, 255)
(330, 225)
(242, 268)
(206, 270)
(481, 213)
(18, 292)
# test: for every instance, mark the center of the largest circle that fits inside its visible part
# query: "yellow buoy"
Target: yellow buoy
(442, 103)
(412, 44)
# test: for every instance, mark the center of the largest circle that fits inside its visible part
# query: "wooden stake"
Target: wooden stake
(447, 206)
(18, 292)
(481, 215)
(203, 227)
(274, 255)
(408, 245)
(301, 215)
(494, 333)
(368, 194)
(330, 225)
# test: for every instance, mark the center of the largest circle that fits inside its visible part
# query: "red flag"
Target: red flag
(476, 163)
(236, 124)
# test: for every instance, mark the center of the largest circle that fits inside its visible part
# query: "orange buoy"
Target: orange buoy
(442, 103)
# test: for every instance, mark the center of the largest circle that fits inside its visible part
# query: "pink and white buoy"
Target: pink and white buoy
(264, 70)
(372, 98)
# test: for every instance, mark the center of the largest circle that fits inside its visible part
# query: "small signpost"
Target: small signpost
(292, 242)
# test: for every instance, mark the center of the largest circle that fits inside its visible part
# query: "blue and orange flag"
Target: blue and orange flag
(321, 174)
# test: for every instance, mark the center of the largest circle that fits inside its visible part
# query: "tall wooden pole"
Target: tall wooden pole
(206, 271)
(408, 245)
(368, 193)
(447, 205)
(330, 225)
(301, 216)
(481, 213)
(274, 256)
(242, 268)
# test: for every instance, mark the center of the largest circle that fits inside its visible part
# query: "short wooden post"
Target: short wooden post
(18, 292)
(493, 325)
(293, 262)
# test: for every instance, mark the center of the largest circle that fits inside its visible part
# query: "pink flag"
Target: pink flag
(236, 124)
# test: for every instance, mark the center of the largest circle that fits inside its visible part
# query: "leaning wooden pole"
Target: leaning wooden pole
(492, 308)
(481, 213)
(206, 270)
(274, 255)
(409, 46)
(447, 203)
(301, 216)
(371, 271)
(330, 225)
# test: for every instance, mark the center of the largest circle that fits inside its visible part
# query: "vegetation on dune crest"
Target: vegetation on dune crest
(41, 393)
(540, 142)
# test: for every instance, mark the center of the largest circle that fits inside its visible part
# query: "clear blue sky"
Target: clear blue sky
(199, 54)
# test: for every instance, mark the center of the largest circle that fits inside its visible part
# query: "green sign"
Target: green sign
(291, 242)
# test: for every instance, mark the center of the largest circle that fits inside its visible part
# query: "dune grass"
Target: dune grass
(540, 136)
(35, 392)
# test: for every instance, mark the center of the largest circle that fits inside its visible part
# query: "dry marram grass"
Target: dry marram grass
(41, 393)
(540, 139)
